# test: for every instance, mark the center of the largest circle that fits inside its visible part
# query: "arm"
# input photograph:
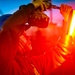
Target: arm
(18, 19)
(53, 58)
(47, 63)
(9, 36)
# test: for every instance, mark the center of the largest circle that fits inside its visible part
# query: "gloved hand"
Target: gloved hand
(39, 19)
(43, 4)
(65, 10)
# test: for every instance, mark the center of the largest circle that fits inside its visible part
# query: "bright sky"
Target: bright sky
(10, 6)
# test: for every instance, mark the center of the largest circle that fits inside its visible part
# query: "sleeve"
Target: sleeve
(19, 18)
(8, 49)
(9, 37)
(50, 60)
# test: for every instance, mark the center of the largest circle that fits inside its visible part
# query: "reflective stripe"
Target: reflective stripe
(35, 70)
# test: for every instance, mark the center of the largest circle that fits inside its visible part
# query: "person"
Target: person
(45, 38)
(13, 59)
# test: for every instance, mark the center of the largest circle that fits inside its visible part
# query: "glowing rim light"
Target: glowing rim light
(72, 25)
(71, 29)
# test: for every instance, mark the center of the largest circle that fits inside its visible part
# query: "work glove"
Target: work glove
(39, 19)
(66, 11)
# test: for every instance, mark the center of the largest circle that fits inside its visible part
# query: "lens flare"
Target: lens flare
(72, 25)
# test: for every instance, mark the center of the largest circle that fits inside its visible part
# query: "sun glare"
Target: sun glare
(72, 25)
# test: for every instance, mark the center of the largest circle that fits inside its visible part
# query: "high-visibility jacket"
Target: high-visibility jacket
(14, 62)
